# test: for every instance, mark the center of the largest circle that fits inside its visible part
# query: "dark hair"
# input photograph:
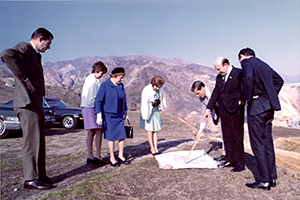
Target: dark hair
(42, 32)
(99, 66)
(197, 85)
(246, 52)
(225, 61)
(157, 81)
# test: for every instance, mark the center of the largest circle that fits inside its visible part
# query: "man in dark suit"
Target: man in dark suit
(228, 94)
(261, 85)
(24, 60)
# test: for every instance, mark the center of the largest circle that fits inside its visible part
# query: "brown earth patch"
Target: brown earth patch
(288, 144)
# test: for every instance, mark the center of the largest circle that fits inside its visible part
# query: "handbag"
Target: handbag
(129, 130)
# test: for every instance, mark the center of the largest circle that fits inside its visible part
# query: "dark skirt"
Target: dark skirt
(114, 128)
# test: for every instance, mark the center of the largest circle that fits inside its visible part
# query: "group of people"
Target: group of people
(255, 86)
(104, 110)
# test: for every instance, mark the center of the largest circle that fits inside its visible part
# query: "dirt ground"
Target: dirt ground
(66, 160)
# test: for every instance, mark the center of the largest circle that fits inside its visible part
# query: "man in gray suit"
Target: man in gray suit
(24, 60)
(261, 85)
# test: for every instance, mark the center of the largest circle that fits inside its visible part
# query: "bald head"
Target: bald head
(222, 65)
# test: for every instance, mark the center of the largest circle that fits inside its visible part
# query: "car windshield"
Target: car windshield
(54, 103)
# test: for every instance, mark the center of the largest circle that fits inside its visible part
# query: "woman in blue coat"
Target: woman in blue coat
(110, 107)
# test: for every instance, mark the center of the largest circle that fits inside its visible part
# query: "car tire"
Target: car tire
(3, 131)
(69, 122)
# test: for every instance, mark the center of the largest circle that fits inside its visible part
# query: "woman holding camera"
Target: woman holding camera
(152, 101)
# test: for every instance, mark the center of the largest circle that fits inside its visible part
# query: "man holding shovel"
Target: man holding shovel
(201, 91)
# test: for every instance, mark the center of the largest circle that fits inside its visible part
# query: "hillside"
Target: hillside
(64, 80)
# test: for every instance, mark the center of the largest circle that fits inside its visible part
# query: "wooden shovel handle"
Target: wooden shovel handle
(192, 148)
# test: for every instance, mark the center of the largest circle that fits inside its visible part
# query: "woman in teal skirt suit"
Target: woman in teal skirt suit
(110, 107)
(152, 101)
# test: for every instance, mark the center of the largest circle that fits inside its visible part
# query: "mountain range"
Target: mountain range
(64, 80)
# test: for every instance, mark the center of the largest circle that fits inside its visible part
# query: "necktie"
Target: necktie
(223, 82)
(39, 56)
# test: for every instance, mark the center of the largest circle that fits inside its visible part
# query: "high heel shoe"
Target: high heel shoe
(126, 162)
(89, 161)
(116, 164)
(155, 153)
(99, 162)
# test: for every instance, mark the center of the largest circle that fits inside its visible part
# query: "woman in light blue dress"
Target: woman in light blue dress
(152, 102)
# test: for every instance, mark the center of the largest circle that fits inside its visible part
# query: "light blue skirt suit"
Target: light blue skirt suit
(150, 118)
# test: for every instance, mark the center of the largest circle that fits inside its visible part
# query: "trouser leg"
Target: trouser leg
(237, 138)
(233, 137)
(33, 147)
(260, 133)
(226, 140)
(270, 146)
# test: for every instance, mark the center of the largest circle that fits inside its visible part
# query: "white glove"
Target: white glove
(99, 119)
(126, 115)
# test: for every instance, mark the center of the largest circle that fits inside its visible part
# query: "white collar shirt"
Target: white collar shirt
(228, 72)
(34, 47)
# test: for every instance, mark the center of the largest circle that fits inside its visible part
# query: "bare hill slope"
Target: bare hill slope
(65, 79)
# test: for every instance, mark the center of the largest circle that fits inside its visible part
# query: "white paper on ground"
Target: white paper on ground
(175, 160)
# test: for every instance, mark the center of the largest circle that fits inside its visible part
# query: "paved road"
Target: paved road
(295, 123)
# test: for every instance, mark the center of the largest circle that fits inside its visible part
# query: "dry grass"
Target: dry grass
(66, 154)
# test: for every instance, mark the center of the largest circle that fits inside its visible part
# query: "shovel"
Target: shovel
(202, 126)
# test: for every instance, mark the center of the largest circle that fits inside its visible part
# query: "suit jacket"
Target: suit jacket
(147, 98)
(25, 63)
(261, 82)
(229, 95)
(107, 98)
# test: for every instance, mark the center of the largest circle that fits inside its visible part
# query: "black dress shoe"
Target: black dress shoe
(116, 164)
(37, 184)
(99, 162)
(222, 157)
(273, 183)
(238, 169)
(260, 185)
(225, 164)
(126, 162)
(89, 161)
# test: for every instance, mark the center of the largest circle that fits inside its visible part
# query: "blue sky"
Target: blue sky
(196, 31)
